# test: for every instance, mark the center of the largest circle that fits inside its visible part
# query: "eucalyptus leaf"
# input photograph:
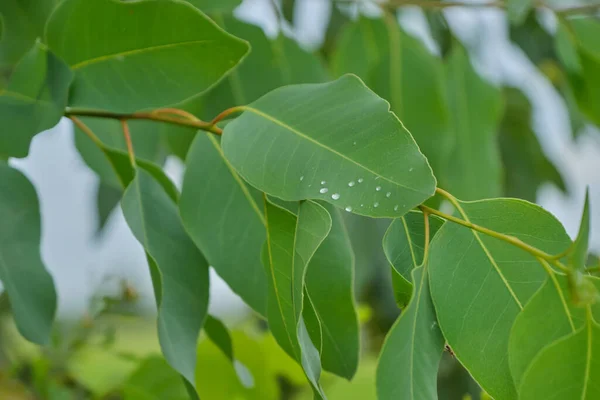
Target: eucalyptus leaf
(567, 369)
(291, 243)
(179, 271)
(412, 350)
(152, 53)
(578, 254)
(475, 112)
(330, 285)
(154, 379)
(518, 10)
(215, 204)
(549, 315)
(403, 245)
(33, 100)
(218, 333)
(107, 198)
(29, 286)
(479, 284)
(356, 156)
(215, 6)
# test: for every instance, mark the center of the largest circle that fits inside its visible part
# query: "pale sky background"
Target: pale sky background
(81, 264)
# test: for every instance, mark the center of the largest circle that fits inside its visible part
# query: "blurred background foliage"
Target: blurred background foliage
(478, 136)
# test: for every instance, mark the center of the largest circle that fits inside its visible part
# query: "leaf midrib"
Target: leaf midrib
(310, 139)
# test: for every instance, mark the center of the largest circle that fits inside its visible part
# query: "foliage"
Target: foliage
(295, 162)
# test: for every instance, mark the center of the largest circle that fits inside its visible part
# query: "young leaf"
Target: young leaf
(330, 285)
(547, 317)
(403, 246)
(161, 60)
(410, 356)
(23, 22)
(24, 277)
(356, 155)
(578, 254)
(479, 284)
(421, 104)
(291, 243)
(222, 216)
(567, 369)
(33, 100)
(525, 164)
(179, 271)
(475, 111)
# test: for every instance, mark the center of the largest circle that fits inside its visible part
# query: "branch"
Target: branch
(183, 118)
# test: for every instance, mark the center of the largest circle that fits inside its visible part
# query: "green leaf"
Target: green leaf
(330, 286)
(525, 164)
(412, 350)
(154, 380)
(361, 46)
(222, 215)
(475, 112)
(179, 271)
(547, 317)
(304, 152)
(23, 22)
(567, 369)
(479, 284)
(578, 253)
(535, 41)
(518, 10)
(107, 198)
(403, 245)
(152, 53)
(291, 243)
(33, 100)
(218, 333)
(215, 6)
(29, 286)
(146, 143)
(566, 48)
(421, 104)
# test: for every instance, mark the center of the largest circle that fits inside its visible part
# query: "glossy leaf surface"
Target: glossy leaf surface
(479, 284)
(158, 62)
(356, 156)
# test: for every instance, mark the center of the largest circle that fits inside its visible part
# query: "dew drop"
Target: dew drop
(378, 188)
(377, 177)
(410, 169)
(354, 143)
(351, 183)
(396, 208)
(388, 194)
(323, 182)
(323, 190)
(349, 209)
(360, 180)
(302, 178)
(376, 205)
(362, 205)
(335, 196)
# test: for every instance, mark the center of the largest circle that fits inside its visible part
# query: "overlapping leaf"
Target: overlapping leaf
(479, 284)
(475, 111)
(291, 243)
(152, 53)
(33, 100)
(355, 155)
(330, 285)
(567, 369)
(215, 6)
(403, 245)
(179, 271)
(223, 216)
(29, 285)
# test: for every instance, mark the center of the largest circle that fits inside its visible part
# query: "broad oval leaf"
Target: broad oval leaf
(412, 351)
(475, 111)
(222, 216)
(34, 99)
(330, 286)
(479, 284)
(568, 369)
(291, 243)
(179, 271)
(152, 53)
(403, 245)
(549, 315)
(355, 155)
(29, 286)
